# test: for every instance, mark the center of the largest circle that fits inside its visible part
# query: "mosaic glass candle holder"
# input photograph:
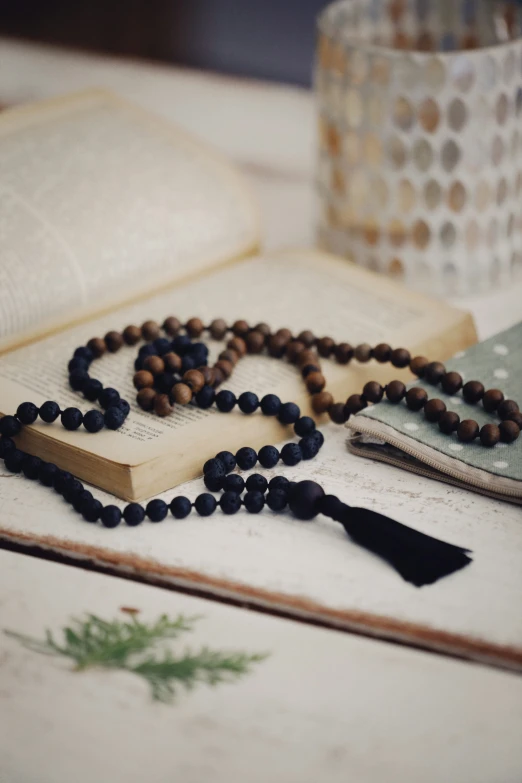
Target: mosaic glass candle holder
(420, 140)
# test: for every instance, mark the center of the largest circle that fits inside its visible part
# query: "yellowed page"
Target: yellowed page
(100, 203)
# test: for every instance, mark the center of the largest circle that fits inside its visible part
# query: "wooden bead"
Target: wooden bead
(343, 353)
(307, 337)
(208, 375)
(162, 406)
(227, 368)
(308, 369)
(150, 330)
(181, 393)
(395, 391)
(416, 398)
(509, 431)
(240, 328)
(195, 379)
(97, 346)
(363, 352)
(308, 356)
(434, 409)
(492, 399)
(285, 334)
(467, 430)
(355, 403)
(113, 341)
(515, 416)
(400, 357)
(338, 413)
(171, 325)
(237, 344)
(263, 328)
(373, 391)
(219, 377)
(255, 342)
(218, 328)
(315, 382)
(473, 391)
(143, 379)
(382, 352)
(277, 346)
(293, 350)
(418, 365)
(506, 408)
(489, 435)
(230, 356)
(132, 334)
(172, 361)
(448, 422)
(321, 402)
(194, 327)
(154, 364)
(145, 398)
(325, 346)
(434, 372)
(451, 382)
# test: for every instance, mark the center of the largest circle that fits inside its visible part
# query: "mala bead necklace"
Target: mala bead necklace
(172, 370)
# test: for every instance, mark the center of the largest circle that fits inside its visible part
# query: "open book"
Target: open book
(121, 211)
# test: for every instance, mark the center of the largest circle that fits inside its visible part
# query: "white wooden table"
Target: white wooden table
(328, 705)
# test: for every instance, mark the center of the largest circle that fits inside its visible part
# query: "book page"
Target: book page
(101, 202)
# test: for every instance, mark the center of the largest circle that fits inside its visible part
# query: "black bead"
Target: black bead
(270, 405)
(304, 499)
(157, 510)
(180, 507)
(205, 397)
(91, 389)
(214, 465)
(234, 483)
(83, 352)
(225, 401)
(77, 363)
(31, 466)
(279, 482)
(256, 483)
(268, 456)
(78, 379)
(108, 397)
(318, 436)
(27, 412)
(72, 490)
(9, 426)
(304, 426)
(246, 458)
(110, 516)
(276, 499)
(47, 473)
(6, 446)
(181, 343)
(248, 402)
(13, 461)
(133, 514)
(93, 421)
(162, 345)
(124, 407)
(230, 502)
(114, 417)
(71, 418)
(228, 460)
(147, 350)
(213, 481)
(61, 478)
(82, 500)
(309, 447)
(254, 502)
(164, 382)
(49, 411)
(187, 363)
(205, 504)
(291, 454)
(289, 413)
(91, 511)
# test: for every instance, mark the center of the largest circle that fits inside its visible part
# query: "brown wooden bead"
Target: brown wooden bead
(434, 409)
(325, 346)
(515, 416)
(363, 352)
(509, 431)
(285, 334)
(150, 330)
(240, 328)
(307, 337)
(418, 364)
(171, 325)
(154, 364)
(434, 372)
(343, 353)
(492, 399)
(308, 356)
(237, 344)
(195, 379)
(113, 341)
(162, 406)
(321, 402)
(172, 361)
(293, 350)
(131, 334)
(355, 403)
(97, 346)
(373, 391)
(416, 398)
(506, 408)
(338, 413)
(400, 357)
(208, 375)
(277, 346)
(473, 391)
(145, 398)
(194, 327)
(218, 328)
(451, 382)
(255, 342)
(448, 422)
(143, 379)
(315, 382)
(467, 430)
(489, 435)
(263, 328)
(230, 356)
(219, 377)
(227, 368)
(181, 393)
(395, 391)
(382, 352)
